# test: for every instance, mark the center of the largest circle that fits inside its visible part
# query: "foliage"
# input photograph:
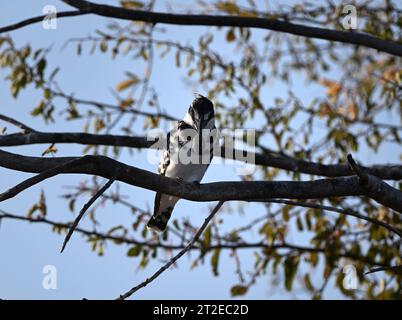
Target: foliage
(354, 88)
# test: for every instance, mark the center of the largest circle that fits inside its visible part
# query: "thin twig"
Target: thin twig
(16, 123)
(86, 207)
(356, 38)
(238, 246)
(356, 168)
(33, 20)
(396, 269)
(176, 257)
(42, 176)
(342, 211)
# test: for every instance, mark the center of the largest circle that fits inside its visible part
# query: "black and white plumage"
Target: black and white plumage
(186, 139)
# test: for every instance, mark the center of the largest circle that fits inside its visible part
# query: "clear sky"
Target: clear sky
(25, 249)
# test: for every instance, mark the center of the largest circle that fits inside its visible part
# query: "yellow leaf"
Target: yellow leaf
(333, 87)
(131, 4)
(230, 35)
(238, 290)
(382, 213)
(389, 73)
(51, 149)
(103, 46)
(126, 84)
(324, 110)
(352, 110)
(124, 104)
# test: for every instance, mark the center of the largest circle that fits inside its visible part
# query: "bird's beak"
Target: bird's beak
(202, 122)
(199, 124)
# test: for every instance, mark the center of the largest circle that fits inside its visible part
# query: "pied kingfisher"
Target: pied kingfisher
(186, 137)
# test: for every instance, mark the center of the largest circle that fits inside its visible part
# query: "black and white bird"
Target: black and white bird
(191, 138)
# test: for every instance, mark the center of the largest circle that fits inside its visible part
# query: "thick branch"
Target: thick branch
(239, 190)
(355, 38)
(374, 186)
(86, 7)
(385, 172)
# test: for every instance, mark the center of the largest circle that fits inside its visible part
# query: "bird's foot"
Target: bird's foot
(196, 183)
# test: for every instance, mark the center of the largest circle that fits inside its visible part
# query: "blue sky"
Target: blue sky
(25, 249)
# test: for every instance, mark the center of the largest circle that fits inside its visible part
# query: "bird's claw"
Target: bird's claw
(196, 184)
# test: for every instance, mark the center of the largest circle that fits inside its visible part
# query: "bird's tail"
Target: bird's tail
(159, 220)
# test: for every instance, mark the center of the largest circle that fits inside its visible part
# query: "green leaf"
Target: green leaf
(40, 67)
(308, 283)
(38, 109)
(290, 267)
(238, 290)
(79, 48)
(103, 46)
(177, 59)
(134, 251)
(215, 261)
(71, 205)
(207, 238)
(285, 212)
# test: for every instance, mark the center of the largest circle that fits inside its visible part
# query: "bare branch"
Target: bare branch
(395, 269)
(75, 137)
(374, 187)
(46, 174)
(176, 257)
(85, 7)
(238, 190)
(223, 246)
(386, 172)
(356, 38)
(33, 20)
(108, 106)
(359, 172)
(16, 123)
(86, 207)
(103, 236)
(342, 211)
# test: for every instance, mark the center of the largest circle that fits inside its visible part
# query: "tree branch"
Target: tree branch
(85, 7)
(33, 20)
(359, 172)
(356, 38)
(16, 123)
(176, 257)
(237, 246)
(374, 187)
(346, 212)
(86, 207)
(46, 174)
(386, 172)
(395, 269)
(239, 190)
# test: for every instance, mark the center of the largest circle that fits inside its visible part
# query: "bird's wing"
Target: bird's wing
(172, 137)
